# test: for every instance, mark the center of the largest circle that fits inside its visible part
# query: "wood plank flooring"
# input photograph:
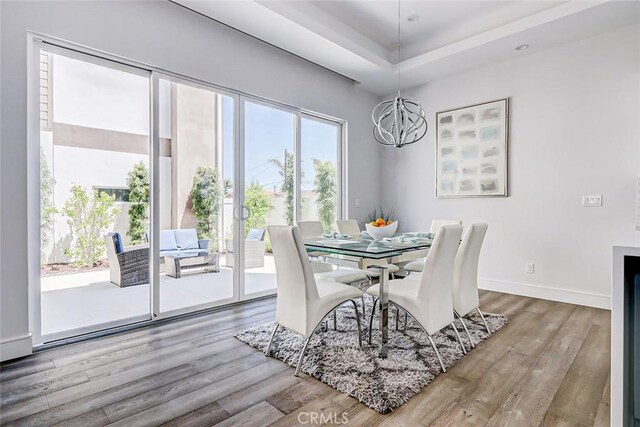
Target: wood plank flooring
(548, 367)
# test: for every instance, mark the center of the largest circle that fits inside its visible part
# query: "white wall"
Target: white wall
(168, 36)
(574, 131)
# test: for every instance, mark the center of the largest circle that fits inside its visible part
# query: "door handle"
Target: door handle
(246, 209)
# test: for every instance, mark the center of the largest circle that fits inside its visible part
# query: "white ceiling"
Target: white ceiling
(359, 38)
(440, 22)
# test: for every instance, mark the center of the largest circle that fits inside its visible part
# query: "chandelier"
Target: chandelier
(399, 121)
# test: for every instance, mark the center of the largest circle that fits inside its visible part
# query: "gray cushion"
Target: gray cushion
(187, 238)
(167, 240)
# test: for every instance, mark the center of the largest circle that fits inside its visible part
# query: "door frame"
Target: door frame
(155, 197)
(35, 47)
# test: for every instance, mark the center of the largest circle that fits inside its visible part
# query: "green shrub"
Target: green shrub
(138, 183)
(286, 170)
(206, 199)
(89, 215)
(47, 207)
(257, 200)
(324, 185)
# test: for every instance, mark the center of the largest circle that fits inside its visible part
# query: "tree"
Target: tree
(325, 185)
(138, 183)
(257, 200)
(47, 207)
(287, 172)
(206, 199)
(89, 215)
(228, 187)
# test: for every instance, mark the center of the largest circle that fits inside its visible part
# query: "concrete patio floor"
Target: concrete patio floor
(79, 300)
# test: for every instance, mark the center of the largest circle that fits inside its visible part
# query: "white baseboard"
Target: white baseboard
(571, 296)
(14, 347)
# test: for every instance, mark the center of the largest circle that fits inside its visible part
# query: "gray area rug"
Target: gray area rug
(334, 357)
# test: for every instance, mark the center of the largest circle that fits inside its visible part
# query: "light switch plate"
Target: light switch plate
(592, 201)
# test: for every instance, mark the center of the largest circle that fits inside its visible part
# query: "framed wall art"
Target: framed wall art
(471, 156)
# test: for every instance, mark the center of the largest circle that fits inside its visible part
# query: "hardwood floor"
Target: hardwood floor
(548, 367)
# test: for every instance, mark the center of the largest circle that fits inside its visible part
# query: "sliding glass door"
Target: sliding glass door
(94, 158)
(320, 154)
(195, 196)
(156, 191)
(292, 172)
(269, 189)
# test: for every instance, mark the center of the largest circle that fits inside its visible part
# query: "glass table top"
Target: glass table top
(366, 248)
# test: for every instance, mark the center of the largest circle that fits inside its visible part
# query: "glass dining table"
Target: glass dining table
(368, 253)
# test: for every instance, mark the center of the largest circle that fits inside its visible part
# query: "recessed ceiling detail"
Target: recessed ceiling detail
(358, 39)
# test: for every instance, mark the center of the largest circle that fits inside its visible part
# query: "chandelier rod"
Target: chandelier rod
(399, 47)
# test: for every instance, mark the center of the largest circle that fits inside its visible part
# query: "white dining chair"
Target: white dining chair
(349, 227)
(415, 266)
(303, 301)
(310, 229)
(427, 298)
(465, 275)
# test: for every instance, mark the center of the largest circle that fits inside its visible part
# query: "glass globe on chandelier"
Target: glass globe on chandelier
(399, 121)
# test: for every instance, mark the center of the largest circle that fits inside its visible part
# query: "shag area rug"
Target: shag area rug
(334, 357)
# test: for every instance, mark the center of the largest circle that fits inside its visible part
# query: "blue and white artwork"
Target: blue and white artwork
(471, 159)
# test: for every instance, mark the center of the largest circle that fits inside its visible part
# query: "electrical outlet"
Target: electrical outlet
(529, 268)
(592, 201)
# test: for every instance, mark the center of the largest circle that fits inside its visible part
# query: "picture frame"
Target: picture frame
(472, 150)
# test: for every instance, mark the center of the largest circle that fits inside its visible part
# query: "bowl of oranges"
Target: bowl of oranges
(381, 228)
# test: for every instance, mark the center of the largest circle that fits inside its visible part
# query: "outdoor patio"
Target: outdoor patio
(72, 301)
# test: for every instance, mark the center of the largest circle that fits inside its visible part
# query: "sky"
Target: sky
(268, 133)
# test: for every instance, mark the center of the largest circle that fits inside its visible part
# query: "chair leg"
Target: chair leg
(397, 317)
(464, 350)
(273, 334)
(483, 320)
(335, 319)
(304, 350)
(406, 319)
(433, 344)
(373, 311)
(355, 307)
(464, 325)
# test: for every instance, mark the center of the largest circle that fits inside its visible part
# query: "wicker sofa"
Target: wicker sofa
(181, 249)
(127, 266)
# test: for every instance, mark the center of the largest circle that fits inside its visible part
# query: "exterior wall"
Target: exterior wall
(193, 144)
